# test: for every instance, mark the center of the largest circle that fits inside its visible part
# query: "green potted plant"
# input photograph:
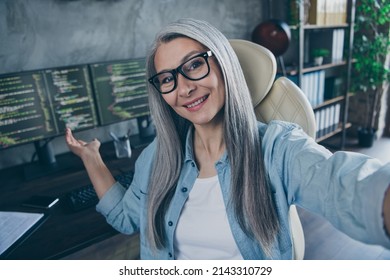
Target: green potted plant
(318, 55)
(370, 72)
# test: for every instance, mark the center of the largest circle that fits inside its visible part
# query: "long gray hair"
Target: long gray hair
(250, 194)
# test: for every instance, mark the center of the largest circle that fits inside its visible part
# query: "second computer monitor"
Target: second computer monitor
(71, 97)
(120, 90)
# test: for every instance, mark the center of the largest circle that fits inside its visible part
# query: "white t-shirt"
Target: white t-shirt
(203, 230)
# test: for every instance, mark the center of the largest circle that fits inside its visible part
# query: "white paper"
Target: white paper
(13, 225)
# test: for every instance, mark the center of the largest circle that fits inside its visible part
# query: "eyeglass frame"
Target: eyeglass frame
(178, 69)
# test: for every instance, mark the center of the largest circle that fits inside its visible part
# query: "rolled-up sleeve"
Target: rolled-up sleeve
(123, 208)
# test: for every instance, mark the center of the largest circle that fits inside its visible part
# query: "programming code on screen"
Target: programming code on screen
(40, 104)
(25, 113)
(120, 90)
(71, 97)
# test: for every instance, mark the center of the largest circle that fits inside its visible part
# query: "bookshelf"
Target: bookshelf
(326, 24)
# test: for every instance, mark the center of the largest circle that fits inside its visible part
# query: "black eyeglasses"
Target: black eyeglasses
(194, 69)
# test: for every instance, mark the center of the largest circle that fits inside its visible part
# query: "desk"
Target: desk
(64, 232)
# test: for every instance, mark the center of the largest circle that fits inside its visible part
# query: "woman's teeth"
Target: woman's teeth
(197, 102)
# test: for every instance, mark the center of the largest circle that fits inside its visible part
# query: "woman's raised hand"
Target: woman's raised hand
(81, 148)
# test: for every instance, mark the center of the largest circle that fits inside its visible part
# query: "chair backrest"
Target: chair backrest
(276, 99)
(272, 99)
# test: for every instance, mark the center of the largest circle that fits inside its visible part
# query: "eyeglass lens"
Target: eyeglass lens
(194, 69)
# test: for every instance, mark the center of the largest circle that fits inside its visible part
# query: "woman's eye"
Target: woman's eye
(166, 80)
(194, 64)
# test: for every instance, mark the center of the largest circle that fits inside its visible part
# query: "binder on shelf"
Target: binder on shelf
(321, 87)
(344, 9)
(322, 122)
(328, 12)
(317, 12)
(337, 115)
(337, 45)
(327, 119)
(313, 85)
(339, 8)
(334, 46)
(317, 118)
(332, 123)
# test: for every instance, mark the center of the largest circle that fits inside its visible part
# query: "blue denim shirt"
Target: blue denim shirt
(346, 188)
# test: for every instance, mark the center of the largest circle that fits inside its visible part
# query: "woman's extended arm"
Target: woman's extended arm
(98, 172)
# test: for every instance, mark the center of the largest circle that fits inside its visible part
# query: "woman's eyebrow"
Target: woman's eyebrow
(184, 59)
(189, 55)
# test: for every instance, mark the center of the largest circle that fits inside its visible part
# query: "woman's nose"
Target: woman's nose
(184, 85)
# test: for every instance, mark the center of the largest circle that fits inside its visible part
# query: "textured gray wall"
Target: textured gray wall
(37, 34)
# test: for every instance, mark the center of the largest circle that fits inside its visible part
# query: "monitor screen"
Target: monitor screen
(39, 104)
(25, 111)
(120, 90)
(71, 97)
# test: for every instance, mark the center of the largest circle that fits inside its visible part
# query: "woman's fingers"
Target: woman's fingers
(82, 143)
(80, 147)
(69, 137)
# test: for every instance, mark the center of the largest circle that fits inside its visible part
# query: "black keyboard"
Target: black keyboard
(85, 196)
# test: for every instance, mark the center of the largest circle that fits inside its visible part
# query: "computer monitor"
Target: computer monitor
(25, 109)
(71, 97)
(37, 105)
(120, 90)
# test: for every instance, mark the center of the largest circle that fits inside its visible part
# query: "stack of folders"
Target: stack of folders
(313, 85)
(328, 12)
(327, 119)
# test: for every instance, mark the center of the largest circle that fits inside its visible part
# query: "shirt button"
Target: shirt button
(170, 255)
(193, 164)
(170, 223)
(184, 189)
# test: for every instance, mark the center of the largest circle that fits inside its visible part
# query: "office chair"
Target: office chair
(277, 99)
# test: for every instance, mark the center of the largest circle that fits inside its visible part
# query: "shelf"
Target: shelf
(333, 80)
(329, 102)
(293, 70)
(339, 129)
(323, 66)
(334, 132)
(313, 26)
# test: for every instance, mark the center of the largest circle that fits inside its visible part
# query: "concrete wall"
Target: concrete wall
(37, 34)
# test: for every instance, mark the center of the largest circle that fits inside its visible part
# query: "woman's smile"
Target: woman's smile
(196, 104)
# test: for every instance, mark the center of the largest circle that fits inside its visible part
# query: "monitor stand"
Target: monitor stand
(47, 163)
